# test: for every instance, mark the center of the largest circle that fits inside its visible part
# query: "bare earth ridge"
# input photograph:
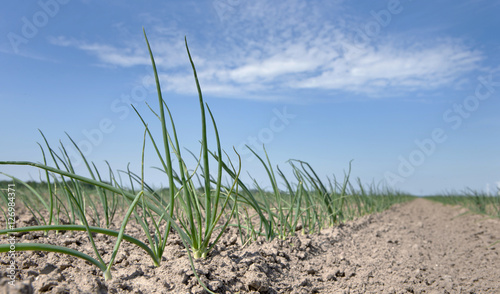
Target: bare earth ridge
(416, 247)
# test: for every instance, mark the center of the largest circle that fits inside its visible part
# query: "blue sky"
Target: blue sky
(408, 90)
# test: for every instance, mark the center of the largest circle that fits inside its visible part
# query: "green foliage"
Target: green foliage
(476, 202)
(199, 214)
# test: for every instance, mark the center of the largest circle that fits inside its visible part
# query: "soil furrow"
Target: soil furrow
(416, 247)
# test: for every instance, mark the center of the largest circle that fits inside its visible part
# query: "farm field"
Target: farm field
(206, 231)
(419, 246)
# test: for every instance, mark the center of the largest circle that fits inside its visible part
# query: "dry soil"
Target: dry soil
(416, 247)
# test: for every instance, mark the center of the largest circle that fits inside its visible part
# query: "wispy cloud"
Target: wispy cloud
(261, 49)
(130, 54)
(372, 69)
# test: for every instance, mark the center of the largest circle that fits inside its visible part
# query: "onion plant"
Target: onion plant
(201, 213)
(476, 202)
(199, 224)
(332, 196)
(78, 203)
(32, 207)
(198, 206)
(284, 209)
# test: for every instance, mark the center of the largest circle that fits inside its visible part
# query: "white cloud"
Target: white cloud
(128, 55)
(265, 47)
(372, 69)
